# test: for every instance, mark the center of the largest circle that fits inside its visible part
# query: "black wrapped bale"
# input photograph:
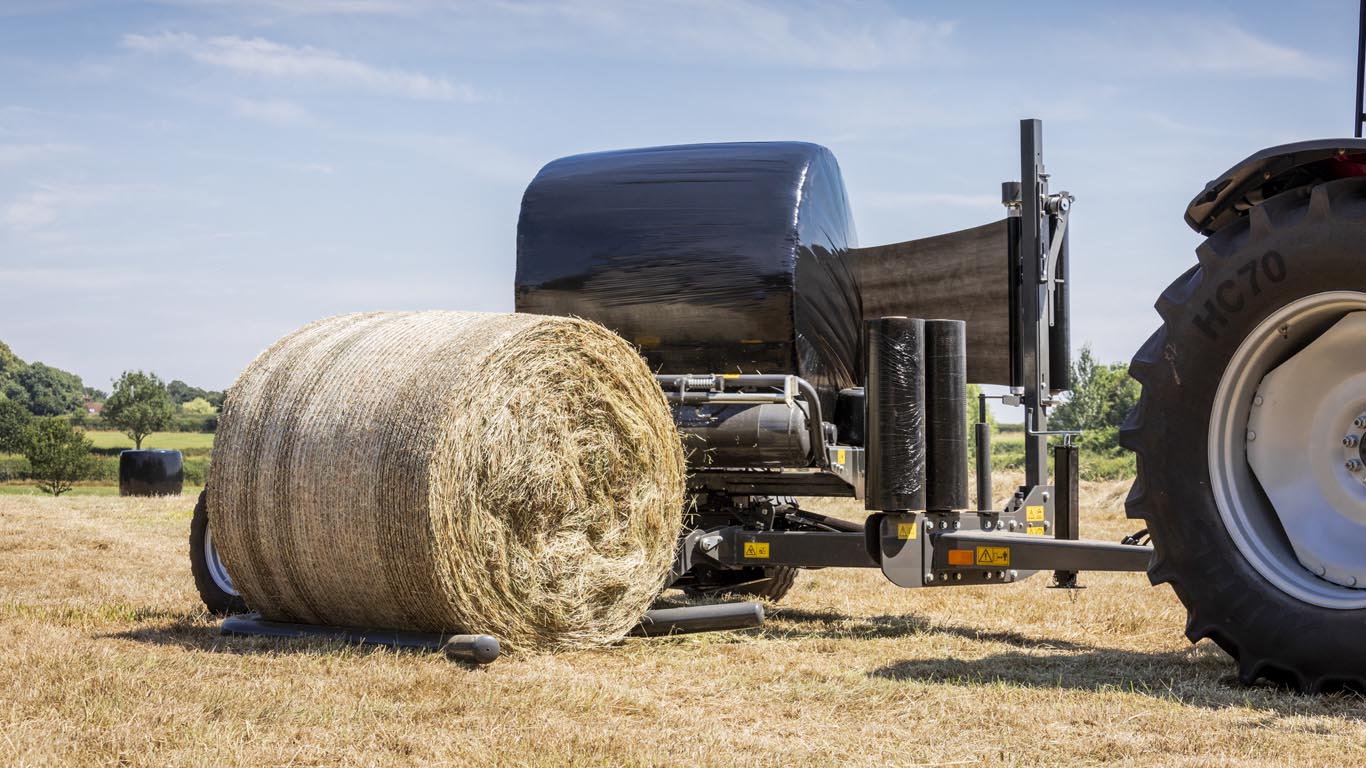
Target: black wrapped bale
(152, 472)
(711, 258)
(895, 421)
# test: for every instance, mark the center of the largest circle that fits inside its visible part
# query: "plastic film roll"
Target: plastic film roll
(895, 417)
(946, 428)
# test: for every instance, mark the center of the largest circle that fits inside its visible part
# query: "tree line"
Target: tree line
(41, 406)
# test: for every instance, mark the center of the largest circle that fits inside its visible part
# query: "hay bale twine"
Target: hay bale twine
(449, 471)
(151, 472)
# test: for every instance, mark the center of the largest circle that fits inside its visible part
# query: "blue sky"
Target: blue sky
(181, 183)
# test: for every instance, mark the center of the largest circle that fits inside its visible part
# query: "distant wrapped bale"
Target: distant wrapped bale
(152, 472)
(517, 475)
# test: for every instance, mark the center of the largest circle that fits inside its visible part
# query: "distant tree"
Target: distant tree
(182, 393)
(10, 365)
(1102, 395)
(96, 395)
(14, 418)
(216, 398)
(58, 454)
(51, 391)
(139, 405)
(198, 407)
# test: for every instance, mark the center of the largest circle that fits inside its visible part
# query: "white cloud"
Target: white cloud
(45, 205)
(823, 36)
(261, 57)
(271, 111)
(1201, 44)
(15, 154)
(1224, 48)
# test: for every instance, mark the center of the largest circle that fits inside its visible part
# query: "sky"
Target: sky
(182, 183)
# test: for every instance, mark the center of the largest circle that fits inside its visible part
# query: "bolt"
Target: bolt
(988, 575)
(943, 524)
(1000, 525)
(1353, 465)
(1359, 422)
(1012, 526)
(1251, 435)
(1349, 441)
(1046, 526)
(955, 525)
(929, 578)
(1014, 575)
(1045, 496)
(958, 576)
(1257, 400)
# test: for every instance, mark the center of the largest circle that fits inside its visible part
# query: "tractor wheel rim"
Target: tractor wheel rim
(217, 571)
(1298, 517)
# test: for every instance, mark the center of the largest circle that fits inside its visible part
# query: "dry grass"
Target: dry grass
(105, 658)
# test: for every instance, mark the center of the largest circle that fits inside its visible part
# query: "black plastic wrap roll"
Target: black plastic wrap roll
(895, 420)
(946, 427)
(153, 472)
(711, 258)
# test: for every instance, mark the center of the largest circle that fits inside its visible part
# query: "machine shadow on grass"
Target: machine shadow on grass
(1198, 676)
(198, 632)
(794, 624)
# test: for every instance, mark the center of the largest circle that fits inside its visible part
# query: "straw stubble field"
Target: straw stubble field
(106, 658)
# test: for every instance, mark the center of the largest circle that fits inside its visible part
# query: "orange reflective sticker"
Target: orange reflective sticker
(960, 557)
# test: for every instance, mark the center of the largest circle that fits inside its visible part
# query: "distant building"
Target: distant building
(93, 408)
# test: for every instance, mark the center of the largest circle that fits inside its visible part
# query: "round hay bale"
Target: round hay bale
(518, 475)
(151, 472)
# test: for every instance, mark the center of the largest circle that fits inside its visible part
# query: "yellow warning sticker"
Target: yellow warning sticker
(756, 549)
(839, 457)
(993, 556)
(906, 530)
(730, 375)
(1035, 530)
(1034, 514)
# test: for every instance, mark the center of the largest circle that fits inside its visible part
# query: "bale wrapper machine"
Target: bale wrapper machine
(798, 365)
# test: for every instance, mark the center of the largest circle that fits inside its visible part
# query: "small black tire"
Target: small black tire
(771, 584)
(1301, 243)
(219, 598)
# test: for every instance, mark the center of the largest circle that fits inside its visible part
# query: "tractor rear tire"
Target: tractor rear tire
(210, 577)
(1291, 249)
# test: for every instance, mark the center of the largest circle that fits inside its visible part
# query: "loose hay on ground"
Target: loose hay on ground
(512, 474)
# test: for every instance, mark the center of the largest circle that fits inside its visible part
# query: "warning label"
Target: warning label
(906, 530)
(1035, 530)
(993, 556)
(1034, 514)
(756, 549)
